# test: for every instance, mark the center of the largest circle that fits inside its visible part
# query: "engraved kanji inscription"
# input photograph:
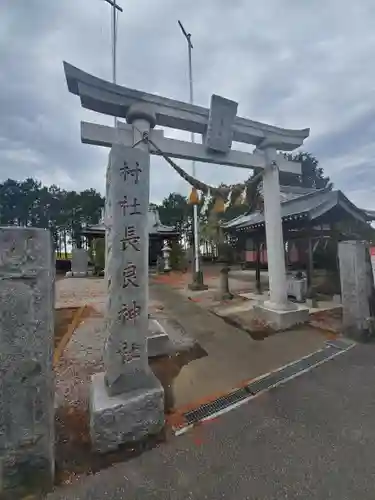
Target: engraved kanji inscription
(130, 351)
(129, 312)
(129, 208)
(132, 171)
(129, 276)
(131, 239)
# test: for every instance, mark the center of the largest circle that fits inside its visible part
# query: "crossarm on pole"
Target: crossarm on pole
(111, 2)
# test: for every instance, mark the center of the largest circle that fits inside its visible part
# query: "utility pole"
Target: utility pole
(197, 283)
(115, 9)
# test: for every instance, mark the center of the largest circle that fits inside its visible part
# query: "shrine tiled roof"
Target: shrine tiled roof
(298, 203)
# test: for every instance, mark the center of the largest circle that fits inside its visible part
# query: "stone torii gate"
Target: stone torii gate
(128, 385)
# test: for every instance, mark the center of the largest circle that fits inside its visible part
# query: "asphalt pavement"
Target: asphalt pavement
(312, 438)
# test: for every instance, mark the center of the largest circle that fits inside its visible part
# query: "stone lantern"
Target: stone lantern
(166, 256)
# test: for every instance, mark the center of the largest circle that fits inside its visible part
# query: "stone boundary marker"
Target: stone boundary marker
(79, 264)
(26, 350)
(356, 283)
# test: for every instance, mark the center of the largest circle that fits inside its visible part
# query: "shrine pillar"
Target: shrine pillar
(127, 401)
(274, 233)
(278, 312)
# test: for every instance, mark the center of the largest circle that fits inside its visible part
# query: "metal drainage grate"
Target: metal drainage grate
(284, 373)
(208, 409)
(340, 344)
(267, 382)
(271, 380)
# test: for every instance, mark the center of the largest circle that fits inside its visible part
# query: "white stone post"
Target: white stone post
(26, 347)
(274, 233)
(278, 311)
(127, 404)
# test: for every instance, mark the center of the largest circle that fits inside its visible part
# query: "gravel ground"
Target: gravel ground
(80, 291)
(82, 356)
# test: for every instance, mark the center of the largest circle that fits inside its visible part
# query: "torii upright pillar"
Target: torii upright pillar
(278, 312)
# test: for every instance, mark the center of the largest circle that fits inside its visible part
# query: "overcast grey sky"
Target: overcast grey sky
(292, 63)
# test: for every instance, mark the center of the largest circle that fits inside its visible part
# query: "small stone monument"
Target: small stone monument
(127, 402)
(356, 284)
(160, 264)
(26, 347)
(80, 260)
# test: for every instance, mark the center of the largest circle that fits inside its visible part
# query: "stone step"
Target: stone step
(158, 342)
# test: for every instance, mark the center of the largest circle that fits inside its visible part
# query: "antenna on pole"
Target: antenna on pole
(197, 274)
(187, 35)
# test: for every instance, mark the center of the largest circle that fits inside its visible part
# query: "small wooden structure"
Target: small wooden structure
(309, 217)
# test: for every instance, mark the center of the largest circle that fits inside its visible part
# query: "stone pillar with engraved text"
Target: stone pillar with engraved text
(127, 402)
(127, 273)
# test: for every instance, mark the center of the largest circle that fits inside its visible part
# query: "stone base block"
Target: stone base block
(158, 342)
(76, 274)
(363, 331)
(223, 296)
(197, 283)
(282, 319)
(337, 299)
(311, 303)
(196, 287)
(126, 418)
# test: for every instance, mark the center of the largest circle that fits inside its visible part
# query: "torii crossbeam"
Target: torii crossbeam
(115, 100)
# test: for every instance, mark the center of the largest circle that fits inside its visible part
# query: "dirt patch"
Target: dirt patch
(249, 323)
(174, 279)
(178, 279)
(167, 368)
(329, 321)
(214, 304)
(63, 318)
(74, 457)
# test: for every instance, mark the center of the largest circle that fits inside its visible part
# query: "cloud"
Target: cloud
(287, 62)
